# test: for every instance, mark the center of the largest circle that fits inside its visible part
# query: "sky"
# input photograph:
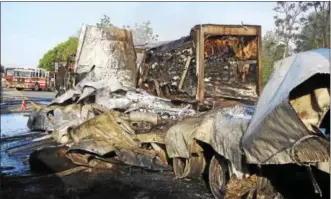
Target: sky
(30, 29)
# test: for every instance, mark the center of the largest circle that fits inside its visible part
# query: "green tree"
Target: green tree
(272, 51)
(311, 35)
(322, 12)
(59, 53)
(104, 22)
(142, 33)
(288, 20)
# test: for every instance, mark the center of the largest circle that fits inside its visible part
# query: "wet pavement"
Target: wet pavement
(18, 181)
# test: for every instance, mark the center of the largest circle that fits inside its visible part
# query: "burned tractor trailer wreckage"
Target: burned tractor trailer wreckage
(193, 105)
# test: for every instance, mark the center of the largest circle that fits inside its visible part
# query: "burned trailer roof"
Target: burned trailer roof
(170, 45)
(285, 126)
(216, 29)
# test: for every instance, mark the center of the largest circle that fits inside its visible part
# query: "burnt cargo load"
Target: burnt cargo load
(213, 63)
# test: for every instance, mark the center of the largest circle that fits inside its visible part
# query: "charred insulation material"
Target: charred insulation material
(230, 67)
(170, 70)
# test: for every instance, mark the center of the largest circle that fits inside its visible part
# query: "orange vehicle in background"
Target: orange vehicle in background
(27, 78)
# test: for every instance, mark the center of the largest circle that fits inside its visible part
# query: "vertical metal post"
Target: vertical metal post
(259, 62)
(201, 65)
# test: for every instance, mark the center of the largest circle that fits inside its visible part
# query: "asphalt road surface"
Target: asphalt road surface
(13, 94)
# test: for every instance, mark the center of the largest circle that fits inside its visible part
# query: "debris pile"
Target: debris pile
(104, 119)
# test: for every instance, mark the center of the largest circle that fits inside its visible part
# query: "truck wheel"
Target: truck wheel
(218, 176)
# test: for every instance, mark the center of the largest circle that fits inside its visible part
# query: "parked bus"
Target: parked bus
(35, 79)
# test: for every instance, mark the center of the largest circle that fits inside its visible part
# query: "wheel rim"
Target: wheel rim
(179, 166)
(218, 177)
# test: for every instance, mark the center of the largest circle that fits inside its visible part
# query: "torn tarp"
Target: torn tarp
(283, 131)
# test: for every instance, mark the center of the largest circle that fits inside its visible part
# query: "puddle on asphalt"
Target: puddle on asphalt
(13, 125)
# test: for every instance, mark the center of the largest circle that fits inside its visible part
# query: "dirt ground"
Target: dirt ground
(128, 183)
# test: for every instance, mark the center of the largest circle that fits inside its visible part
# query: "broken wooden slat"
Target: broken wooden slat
(188, 61)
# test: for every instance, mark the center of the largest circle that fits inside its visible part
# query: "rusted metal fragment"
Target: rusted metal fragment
(141, 158)
(279, 129)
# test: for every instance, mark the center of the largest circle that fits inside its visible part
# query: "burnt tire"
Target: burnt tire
(218, 176)
(192, 167)
(179, 166)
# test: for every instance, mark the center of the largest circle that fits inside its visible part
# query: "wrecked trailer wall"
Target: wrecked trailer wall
(230, 67)
(228, 61)
(214, 62)
(110, 51)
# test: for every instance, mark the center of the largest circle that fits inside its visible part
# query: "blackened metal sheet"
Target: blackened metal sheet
(275, 126)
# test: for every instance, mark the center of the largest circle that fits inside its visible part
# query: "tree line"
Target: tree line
(300, 26)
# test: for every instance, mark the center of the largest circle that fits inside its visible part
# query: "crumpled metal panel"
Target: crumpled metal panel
(275, 126)
(105, 132)
(59, 119)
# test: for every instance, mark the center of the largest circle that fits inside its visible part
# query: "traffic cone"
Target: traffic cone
(23, 106)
